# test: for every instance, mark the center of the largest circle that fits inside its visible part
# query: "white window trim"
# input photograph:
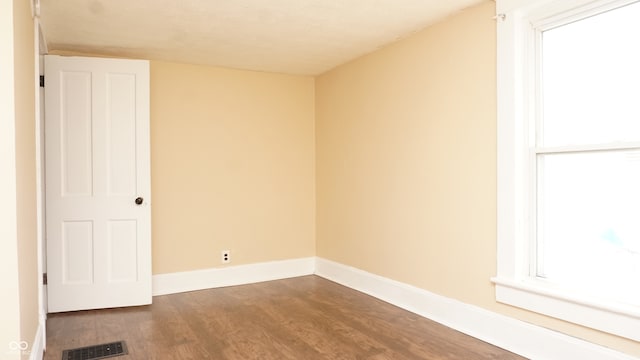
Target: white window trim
(515, 75)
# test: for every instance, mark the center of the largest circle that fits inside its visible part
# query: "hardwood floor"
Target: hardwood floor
(300, 318)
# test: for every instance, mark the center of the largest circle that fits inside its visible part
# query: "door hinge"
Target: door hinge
(44, 279)
(41, 80)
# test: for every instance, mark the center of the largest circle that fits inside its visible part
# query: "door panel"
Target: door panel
(123, 245)
(97, 164)
(75, 133)
(77, 252)
(121, 131)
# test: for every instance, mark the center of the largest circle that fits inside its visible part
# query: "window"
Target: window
(569, 161)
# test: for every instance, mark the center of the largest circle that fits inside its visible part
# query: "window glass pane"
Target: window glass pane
(591, 79)
(589, 222)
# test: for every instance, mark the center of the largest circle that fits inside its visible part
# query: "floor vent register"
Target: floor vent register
(96, 352)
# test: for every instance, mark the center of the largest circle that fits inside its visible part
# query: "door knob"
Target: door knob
(139, 201)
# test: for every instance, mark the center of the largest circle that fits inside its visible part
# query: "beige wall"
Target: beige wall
(406, 165)
(232, 166)
(19, 241)
(9, 285)
(24, 72)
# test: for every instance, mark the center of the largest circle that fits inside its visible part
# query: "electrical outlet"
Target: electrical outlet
(226, 256)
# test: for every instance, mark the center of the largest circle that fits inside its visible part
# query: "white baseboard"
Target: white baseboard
(38, 345)
(531, 341)
(232, 275)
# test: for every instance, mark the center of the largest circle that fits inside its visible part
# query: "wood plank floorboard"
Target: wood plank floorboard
(301, 318)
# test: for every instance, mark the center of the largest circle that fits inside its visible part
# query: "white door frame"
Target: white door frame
(40, 49)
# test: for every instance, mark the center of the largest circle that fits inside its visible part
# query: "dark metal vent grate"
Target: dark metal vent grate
(96, 351)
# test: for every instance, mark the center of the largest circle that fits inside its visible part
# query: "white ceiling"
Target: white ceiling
(287, 36)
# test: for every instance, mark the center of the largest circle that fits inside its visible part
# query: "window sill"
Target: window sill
(618, 319)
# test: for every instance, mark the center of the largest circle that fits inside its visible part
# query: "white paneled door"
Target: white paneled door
(98, 213)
